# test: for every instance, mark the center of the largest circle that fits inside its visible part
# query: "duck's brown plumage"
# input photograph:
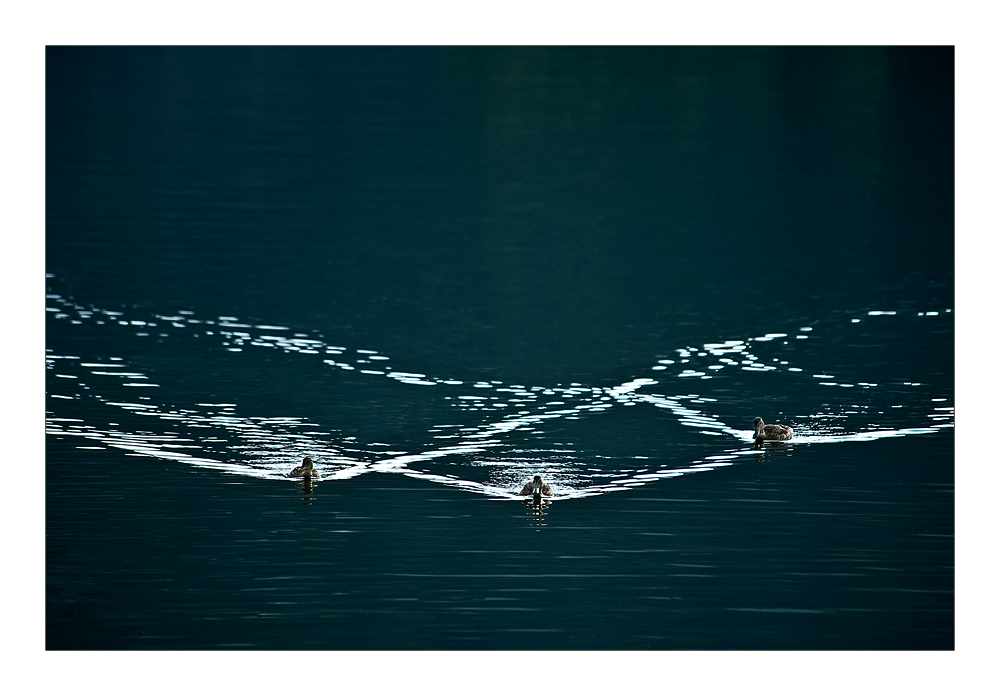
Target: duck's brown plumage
(530, 486)
(307, 469)
(774, 431)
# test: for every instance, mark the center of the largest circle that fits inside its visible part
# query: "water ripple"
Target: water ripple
(266, 447)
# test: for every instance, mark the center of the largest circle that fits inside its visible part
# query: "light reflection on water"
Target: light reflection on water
(267, 447)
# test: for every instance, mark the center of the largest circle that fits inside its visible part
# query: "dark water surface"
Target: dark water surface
(442, 271)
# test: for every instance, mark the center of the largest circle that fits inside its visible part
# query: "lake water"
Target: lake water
(440, 272)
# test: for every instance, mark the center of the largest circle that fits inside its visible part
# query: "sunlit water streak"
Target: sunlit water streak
(266, 447)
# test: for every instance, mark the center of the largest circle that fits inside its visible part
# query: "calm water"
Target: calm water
(440, 272)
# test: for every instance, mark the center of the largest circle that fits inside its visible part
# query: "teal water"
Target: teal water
(440, 272)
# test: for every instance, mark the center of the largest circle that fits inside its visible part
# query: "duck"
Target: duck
(307, 469)
(770, 432)
(536, 487)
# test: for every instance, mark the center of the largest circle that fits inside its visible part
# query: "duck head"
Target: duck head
(758, 426)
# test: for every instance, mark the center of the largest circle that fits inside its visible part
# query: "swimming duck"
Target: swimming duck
(770, 432)
(536, 487)
(307, 469)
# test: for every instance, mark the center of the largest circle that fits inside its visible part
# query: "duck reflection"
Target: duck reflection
(307, 487)
(773, 448)
(536, 509)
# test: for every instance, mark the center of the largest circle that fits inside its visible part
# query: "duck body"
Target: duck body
(773, 431)
(536, 487)
(307, 469)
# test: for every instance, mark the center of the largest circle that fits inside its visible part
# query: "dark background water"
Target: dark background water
(527, 216)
